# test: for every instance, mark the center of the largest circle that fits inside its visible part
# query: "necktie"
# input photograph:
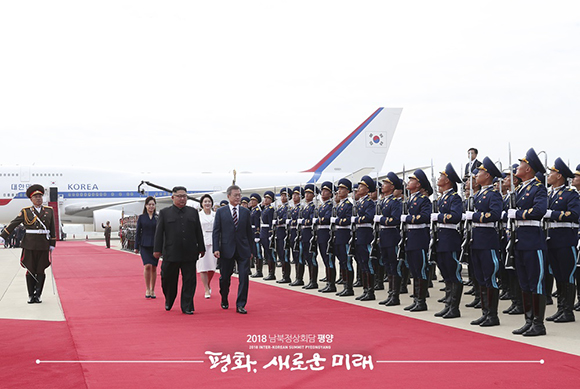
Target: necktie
(235, 214)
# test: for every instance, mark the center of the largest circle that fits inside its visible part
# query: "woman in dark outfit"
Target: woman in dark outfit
(144, 241)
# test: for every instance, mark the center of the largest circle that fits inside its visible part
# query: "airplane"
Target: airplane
(90, 196)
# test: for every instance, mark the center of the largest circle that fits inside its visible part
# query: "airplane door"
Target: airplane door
(25, 173)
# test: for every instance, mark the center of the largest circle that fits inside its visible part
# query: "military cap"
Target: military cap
(450, 173)
(345, 183)
(355, 187)
(34, 189)
(224, 202)
(541, 177)
(285, 191)
(562, 168)
(269, 194)
(369, 183)
(420, 176)
(255, 196)
(245, 199)
(489, 167)
(392, 178)
(298, 190)
(577, 172)
(533, 160)
(327, 185)
(311, 188)
(379, 184)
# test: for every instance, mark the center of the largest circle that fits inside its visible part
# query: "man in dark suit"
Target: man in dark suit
(180, 239)
(232, 240)
(473, 163)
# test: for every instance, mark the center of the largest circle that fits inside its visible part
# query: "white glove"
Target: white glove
(288, 221)
(512, 213)
(434, 217)
(548, 214)
(404, 218)
(300, 221)
(333, 220)
(51, 248)
(315, 220)
(257, 240)
(469, 215)
(503, 215)
(274, 222)
(377, 218)
(353, 219)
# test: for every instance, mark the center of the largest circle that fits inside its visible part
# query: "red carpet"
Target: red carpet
(110, 320)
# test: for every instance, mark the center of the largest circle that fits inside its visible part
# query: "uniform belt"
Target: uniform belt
(416, 226)
(44, 232)
(343, 227)
(324, 227)
(281, 225)
(369, 225)
(292, 227)
(448, 226)
(528, 223)
(303, 227)
(387, 227)
(488, 225)
(253, 226)
(562, 225)
(264, 225)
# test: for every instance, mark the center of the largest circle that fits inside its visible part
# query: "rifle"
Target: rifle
(314, 239)
(273, 244)
(288, 237)
(375, 244)
(332, 238)
(402, 254)
(467, 231)
(352, 241)
(511, 246)
(296, 245)
(434, 228)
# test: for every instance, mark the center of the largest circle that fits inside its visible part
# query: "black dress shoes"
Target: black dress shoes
(225, 305)
(188, 312)
(241, 310)
(167, 308)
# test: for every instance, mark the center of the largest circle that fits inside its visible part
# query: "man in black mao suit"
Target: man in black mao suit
(232, 240)
(179, 238)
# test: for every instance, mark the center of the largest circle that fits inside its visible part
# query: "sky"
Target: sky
(192, 86)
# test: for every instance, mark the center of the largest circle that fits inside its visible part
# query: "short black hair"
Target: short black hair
(474, 149)
(178, 188)
(206, 196)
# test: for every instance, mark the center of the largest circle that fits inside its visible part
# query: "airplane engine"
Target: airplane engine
(102, 216)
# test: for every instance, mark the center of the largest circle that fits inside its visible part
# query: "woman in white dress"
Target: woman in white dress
(206, 265)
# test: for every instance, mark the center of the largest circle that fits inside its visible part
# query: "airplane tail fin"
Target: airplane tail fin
(365, 147)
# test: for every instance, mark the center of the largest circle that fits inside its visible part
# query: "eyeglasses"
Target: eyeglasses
(180, 196)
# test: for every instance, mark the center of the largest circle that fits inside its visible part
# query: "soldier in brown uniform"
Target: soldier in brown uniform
(38, 241)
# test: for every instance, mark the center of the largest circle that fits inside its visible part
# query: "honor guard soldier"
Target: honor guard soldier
(562, 235)
(39, 240)
(255, 218)
(515, 292)
(282, 247)
(576, 184)
(266, 231)
(306, 224)
(418, 238)
(295, 235)
(389, 221)
(365, 212)
(448, 244)
(245, 202)
(324, 213)
(488, 205)
(341, 224)
(471, 189)
(530, 248)
(376, 260)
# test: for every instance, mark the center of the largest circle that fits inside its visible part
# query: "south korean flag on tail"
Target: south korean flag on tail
(376, 139)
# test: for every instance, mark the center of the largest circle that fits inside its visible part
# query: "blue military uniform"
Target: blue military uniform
(282, 234)
(389, 221)
(577, 276)
(342, 231)
(295, 236)
(255, 216)
(562, 235)
(324, 214)
(308, 248)
(448, 243)
(485, 257)
(267, 234)
(530, 248)
(418, 238)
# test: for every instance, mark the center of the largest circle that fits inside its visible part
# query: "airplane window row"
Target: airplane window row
(8, 195)
(9, 174)
(46, 174)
